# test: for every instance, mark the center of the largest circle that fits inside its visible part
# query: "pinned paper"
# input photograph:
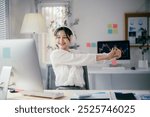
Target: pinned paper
(6, 53)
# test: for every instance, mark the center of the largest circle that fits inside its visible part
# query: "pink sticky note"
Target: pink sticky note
(88, 44)
(115, 25)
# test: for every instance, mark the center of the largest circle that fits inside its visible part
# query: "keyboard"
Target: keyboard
(52, 95)
(113, 68)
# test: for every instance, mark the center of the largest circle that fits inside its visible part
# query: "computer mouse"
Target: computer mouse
(133, 68)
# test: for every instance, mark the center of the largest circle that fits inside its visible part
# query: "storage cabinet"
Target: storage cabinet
(119, 79)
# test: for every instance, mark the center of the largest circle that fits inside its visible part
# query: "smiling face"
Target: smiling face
(63, 40)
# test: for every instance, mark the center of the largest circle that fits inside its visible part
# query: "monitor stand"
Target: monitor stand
(4, 81)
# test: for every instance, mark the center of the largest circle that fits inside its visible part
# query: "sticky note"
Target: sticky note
(109, 31)
(109, 26)
(115, 25)
(93, 44)
(6, 53)
(88, 44)
(115, 31)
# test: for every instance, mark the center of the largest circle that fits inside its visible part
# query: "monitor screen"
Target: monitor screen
(123, 45)
(21, 54)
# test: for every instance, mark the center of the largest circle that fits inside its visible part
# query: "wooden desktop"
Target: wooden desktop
(69, 94)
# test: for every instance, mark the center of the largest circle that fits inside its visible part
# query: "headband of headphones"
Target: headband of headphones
(64, 27)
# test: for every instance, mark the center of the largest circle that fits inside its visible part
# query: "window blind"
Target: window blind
(4, 19)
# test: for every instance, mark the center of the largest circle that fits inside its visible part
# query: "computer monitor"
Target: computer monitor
(21, 54)
(123, 45)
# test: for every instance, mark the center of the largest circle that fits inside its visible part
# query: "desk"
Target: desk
(99, 79)
(68, 94)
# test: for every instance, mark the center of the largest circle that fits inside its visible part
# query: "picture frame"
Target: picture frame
(134, 24)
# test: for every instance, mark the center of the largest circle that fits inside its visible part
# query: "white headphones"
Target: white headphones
(73, 37)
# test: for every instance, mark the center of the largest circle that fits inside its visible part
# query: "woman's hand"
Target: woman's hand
(114, 53)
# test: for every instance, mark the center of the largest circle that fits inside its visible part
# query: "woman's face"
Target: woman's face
(62, 40)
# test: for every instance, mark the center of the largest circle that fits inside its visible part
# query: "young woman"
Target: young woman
(67, 64)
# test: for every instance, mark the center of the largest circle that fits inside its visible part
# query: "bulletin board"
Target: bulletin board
(134, 24)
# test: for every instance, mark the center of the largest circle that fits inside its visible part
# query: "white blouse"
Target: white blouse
(68, 66)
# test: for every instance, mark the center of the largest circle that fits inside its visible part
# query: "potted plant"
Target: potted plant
(144, 40)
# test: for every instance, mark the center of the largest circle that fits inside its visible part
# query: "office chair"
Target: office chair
(85, 76)
(51, 78)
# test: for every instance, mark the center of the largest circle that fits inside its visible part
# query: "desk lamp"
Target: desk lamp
(33, 23)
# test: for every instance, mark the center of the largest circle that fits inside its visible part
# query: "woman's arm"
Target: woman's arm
(114, 53)
(59, 57)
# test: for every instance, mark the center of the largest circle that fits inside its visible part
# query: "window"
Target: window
(3, 19)
(56, 15)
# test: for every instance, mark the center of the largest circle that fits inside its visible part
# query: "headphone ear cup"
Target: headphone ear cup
(73, 40)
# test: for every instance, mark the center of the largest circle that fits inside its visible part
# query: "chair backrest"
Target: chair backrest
(85, 76)
(51, 78)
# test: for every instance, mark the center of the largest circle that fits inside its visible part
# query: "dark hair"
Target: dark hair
(67, 31)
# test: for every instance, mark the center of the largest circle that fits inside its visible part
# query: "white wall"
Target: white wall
(95, 15)
(17, 10)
